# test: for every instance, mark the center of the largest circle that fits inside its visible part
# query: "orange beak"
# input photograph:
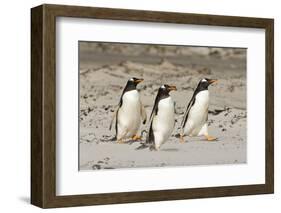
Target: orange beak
(172, 88)
(139, 80)
(211, 81)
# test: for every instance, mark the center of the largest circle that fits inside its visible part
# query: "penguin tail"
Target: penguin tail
(177, 135)
(114, 138)
(143, 146)
(142, 132)
(152, 148)
(149, 146)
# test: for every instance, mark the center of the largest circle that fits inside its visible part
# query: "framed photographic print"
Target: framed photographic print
(136, 106)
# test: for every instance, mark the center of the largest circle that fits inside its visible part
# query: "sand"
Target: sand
(105, 71)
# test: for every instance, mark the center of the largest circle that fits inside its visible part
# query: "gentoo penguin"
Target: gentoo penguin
(129, 112)
(194, 121)
(162, 118)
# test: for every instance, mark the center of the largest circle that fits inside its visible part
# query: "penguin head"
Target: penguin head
(165, 89)
(132, 83)
(205, 83)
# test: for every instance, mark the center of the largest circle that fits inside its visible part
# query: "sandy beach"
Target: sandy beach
(104, 71)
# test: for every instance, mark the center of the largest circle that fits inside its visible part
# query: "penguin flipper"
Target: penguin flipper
(185, 117)
(143, 114)
(113, 117)
(150, 136)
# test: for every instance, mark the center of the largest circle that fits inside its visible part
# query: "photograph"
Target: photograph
(141, 105)
(161, 105)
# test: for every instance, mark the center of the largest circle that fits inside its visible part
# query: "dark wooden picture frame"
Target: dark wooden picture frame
(43, 105)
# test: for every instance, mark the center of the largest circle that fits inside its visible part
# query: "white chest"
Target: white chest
(164, 121)
(129, 115)
(166, 106)
(165, 118)
(201, 103)
(130, 99)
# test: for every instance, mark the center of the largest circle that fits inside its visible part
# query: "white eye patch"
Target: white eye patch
(163, 87)
(131, 79)
(203, 80)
